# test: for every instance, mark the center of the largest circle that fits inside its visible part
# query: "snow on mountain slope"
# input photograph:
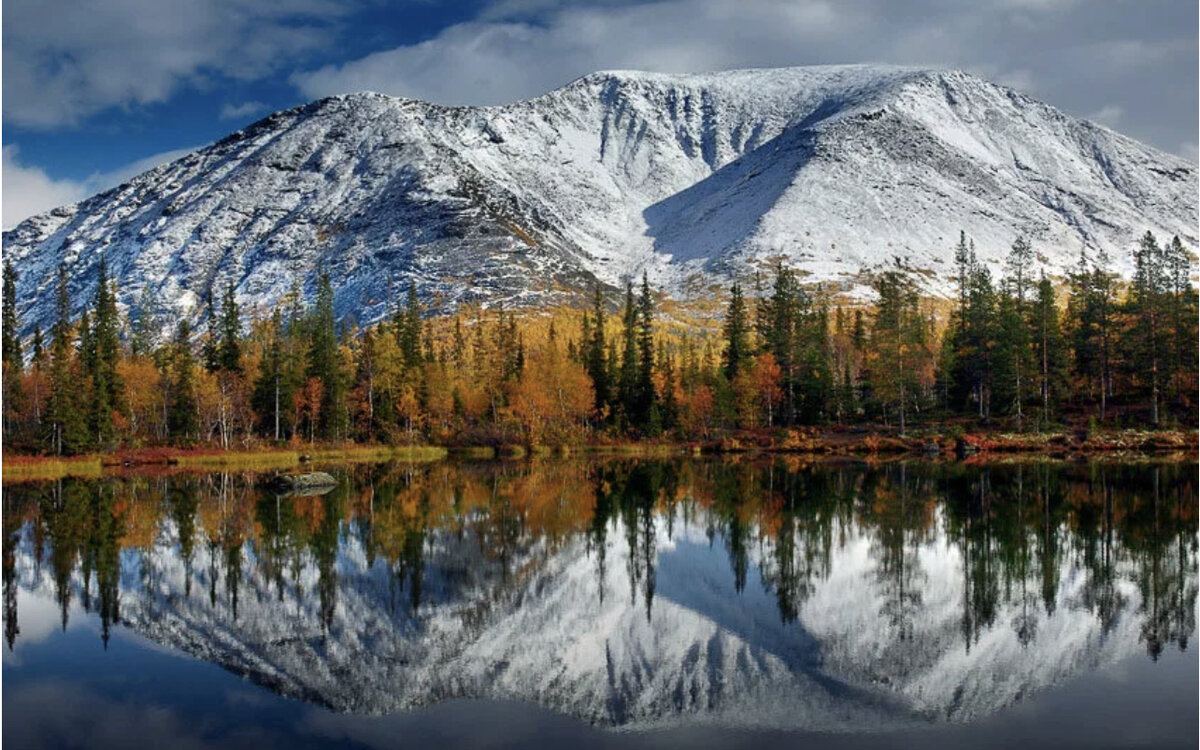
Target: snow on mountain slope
(574, 634)
(687, 177)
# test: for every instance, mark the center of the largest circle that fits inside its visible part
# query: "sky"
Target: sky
(96, 92)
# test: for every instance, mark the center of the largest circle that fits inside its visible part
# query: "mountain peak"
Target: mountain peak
(691, 178)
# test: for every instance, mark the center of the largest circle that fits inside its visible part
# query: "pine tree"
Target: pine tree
(210, 349)
(1020, 259)
(229, 350)
(183, 422)
(1181, 314)
(10, 351)
(1145, 308)
(898, 342)
(105, 353)
(737, 333)
(595, 350)
(66, 420)
(144, 323)
(627, 380)
(1050, 347)
(274, 388)
(408, 328)
(38, 351)
(11, 344)
(324, 363)
(648, 415)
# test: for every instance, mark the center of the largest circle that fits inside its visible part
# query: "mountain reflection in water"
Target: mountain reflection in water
(634, 593)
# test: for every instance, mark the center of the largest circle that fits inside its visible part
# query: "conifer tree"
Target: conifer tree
(627, 381)
(1145, 308)
(275, 388)
(104, 355)
(229, 351)
(1050, 347)
(324, 363)
(10, 350)
(648, 415)
(183, 422)
(64, 415)
(210, 349)
(144, 324)
(898, 342)
(737, 333)
(11, 343)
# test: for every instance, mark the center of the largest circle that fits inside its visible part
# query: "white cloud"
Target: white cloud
(1109, 114)
(1073, 55)
(245, 109)
(1190, 150)
(29, 191)
(67, 59)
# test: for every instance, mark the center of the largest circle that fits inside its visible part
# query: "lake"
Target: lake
(607, 603)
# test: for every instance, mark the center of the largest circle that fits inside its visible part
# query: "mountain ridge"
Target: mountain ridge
(689, 178)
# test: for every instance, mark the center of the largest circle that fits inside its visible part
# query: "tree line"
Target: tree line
(1018, 350)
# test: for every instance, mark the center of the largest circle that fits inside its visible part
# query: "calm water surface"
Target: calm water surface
(607, 604)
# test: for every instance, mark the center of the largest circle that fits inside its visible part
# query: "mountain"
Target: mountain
(560, 626)
(690, 178)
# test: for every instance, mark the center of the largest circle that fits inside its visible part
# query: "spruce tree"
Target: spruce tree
(210, 349)
(648, 414)
(324, 363)
(627, 381)
(102, 361)
(10, 351)
(229, 351)
(1050, 346)
(66, 420)
(1146, 345)
(183, 422)
(11, 344)
(274, 388)
(595, 350)
(737, 334)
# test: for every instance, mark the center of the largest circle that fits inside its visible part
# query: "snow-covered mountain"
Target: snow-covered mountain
(687, 177)
(574, 633)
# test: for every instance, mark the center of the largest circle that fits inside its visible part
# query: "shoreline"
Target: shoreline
(816, 444)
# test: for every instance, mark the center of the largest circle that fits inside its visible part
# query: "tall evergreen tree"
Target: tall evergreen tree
(898, 341)
(627, 381)
(229, 351)
(64, 416)
(737, 333)
(648, 414)
(324, 363)
(275, 387)
(11, 344)
(595, 351)
(10, 351)
(1145, 309)
(107, 388)
(183, 422)
(1050, 346)
(210, 348)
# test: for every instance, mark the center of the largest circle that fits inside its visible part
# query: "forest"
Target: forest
(1022, 352)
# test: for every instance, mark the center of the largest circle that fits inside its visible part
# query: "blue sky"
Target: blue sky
(95, 92)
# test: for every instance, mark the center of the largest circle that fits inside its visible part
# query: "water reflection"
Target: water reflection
(629, 592)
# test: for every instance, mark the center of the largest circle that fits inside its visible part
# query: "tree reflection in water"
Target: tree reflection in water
(470, 537)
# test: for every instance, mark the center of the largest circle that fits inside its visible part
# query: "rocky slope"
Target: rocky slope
(689, 178)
